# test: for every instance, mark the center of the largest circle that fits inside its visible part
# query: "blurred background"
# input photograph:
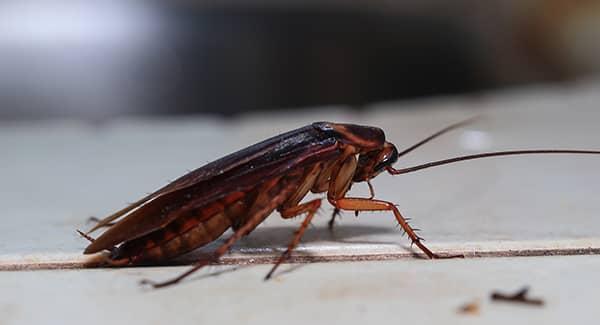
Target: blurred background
(97, 60)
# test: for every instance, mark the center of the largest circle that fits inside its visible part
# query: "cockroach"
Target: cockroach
(242, 189)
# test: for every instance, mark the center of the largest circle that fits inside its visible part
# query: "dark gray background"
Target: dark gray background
(84, 59)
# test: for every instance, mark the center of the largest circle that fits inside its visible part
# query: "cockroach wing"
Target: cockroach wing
(239, 171)
(282, 144)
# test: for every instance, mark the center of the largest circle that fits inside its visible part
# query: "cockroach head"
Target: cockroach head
(371, 163)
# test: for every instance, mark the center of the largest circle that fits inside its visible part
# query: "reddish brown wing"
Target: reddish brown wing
(239, 171)
(283, 143)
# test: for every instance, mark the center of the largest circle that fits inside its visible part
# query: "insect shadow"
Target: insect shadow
(265, 244)
(222, 270)
(279, 236)
(269, 242)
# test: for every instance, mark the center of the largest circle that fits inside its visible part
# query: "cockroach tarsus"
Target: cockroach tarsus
(242, 189)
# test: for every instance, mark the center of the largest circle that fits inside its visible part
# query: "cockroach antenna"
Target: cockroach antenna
(406, 170)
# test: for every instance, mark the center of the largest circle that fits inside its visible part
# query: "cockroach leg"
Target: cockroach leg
(371, 191)
(360, 204)
(337, 211)
(311, 208)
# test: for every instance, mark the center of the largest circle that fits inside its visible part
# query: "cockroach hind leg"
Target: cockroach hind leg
(157, 285)
(310, 208)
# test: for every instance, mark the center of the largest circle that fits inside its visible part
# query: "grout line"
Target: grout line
(96, 262)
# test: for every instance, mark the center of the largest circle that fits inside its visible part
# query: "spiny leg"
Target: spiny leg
(311, 208)
(359, 204)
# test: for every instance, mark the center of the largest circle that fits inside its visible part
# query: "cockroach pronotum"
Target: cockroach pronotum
(242, 189)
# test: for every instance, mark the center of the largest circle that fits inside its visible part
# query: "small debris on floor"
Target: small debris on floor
(471, 308)
(519, 297)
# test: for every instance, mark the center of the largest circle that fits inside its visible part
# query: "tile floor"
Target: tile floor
(57, 174)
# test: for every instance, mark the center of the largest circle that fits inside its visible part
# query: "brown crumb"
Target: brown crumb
(471, 308)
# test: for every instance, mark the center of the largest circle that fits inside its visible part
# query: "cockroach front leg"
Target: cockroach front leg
(310, 208)
(359, 204)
